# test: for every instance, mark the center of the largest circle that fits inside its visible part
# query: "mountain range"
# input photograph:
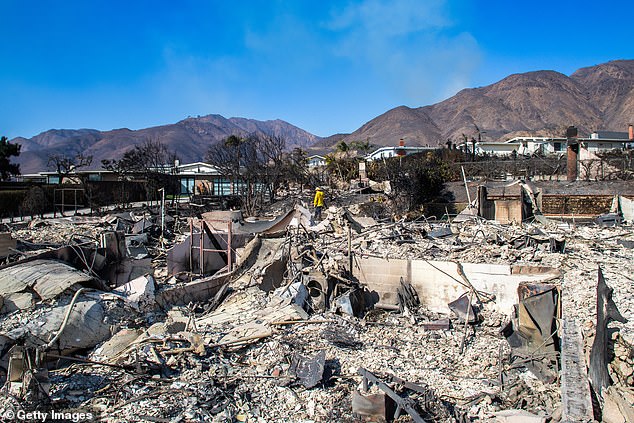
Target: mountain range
(541, 103)
(189, 139)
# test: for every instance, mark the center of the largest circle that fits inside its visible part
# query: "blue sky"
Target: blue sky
(327, 66)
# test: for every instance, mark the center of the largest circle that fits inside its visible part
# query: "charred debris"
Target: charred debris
(211, 316)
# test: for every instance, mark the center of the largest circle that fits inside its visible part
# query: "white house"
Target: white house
(597, 142)
(607, 140)
(523, 146)
(387, 152)
(202, 178)
(316, 161)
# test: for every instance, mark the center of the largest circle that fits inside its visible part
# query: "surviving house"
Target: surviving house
(598, 141)
(316, 161)
(526, 146)
(202, 179)
(400, 150)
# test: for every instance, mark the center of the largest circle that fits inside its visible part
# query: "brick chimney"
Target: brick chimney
(401, 151)
(630, 131)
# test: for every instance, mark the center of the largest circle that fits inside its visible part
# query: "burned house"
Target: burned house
(221, 317)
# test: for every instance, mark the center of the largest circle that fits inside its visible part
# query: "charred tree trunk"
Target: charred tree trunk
(599, 357)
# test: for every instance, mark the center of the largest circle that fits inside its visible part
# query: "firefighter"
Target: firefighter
(318, 202)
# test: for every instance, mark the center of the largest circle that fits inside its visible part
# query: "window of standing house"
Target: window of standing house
(222, 186)
(187, 185)
(94, 177)
(557, 146)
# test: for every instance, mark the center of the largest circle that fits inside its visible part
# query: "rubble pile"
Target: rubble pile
(214, 317)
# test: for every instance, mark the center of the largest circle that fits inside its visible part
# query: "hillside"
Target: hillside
(537, 103)
(189, 139)
(534, 103)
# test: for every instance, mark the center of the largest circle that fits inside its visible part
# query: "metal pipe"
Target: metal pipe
(202, 246)
(466, 187)
(162, 216)
(66, 317)
(191, 246)
(229, 234)
(350, 248)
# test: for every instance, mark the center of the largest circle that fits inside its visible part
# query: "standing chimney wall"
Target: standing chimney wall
(573, 153)
(630, 131)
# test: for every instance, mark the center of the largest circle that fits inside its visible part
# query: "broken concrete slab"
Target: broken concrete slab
(138, 293)
(518, 416)
(17, 301)
(575, 390)
(198, 290)
(115, 345)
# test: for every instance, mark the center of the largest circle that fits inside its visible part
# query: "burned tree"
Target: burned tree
(341, 165)
(415, 179)
(296, 169)
(65, 165)
(36, 202)
(151, 161)
(606, 312)
(253, 164)
(271, 149)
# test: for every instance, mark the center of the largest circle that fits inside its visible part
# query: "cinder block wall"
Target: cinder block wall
(576, 204)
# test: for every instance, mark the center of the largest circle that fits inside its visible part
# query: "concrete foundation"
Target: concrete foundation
(439, 282)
